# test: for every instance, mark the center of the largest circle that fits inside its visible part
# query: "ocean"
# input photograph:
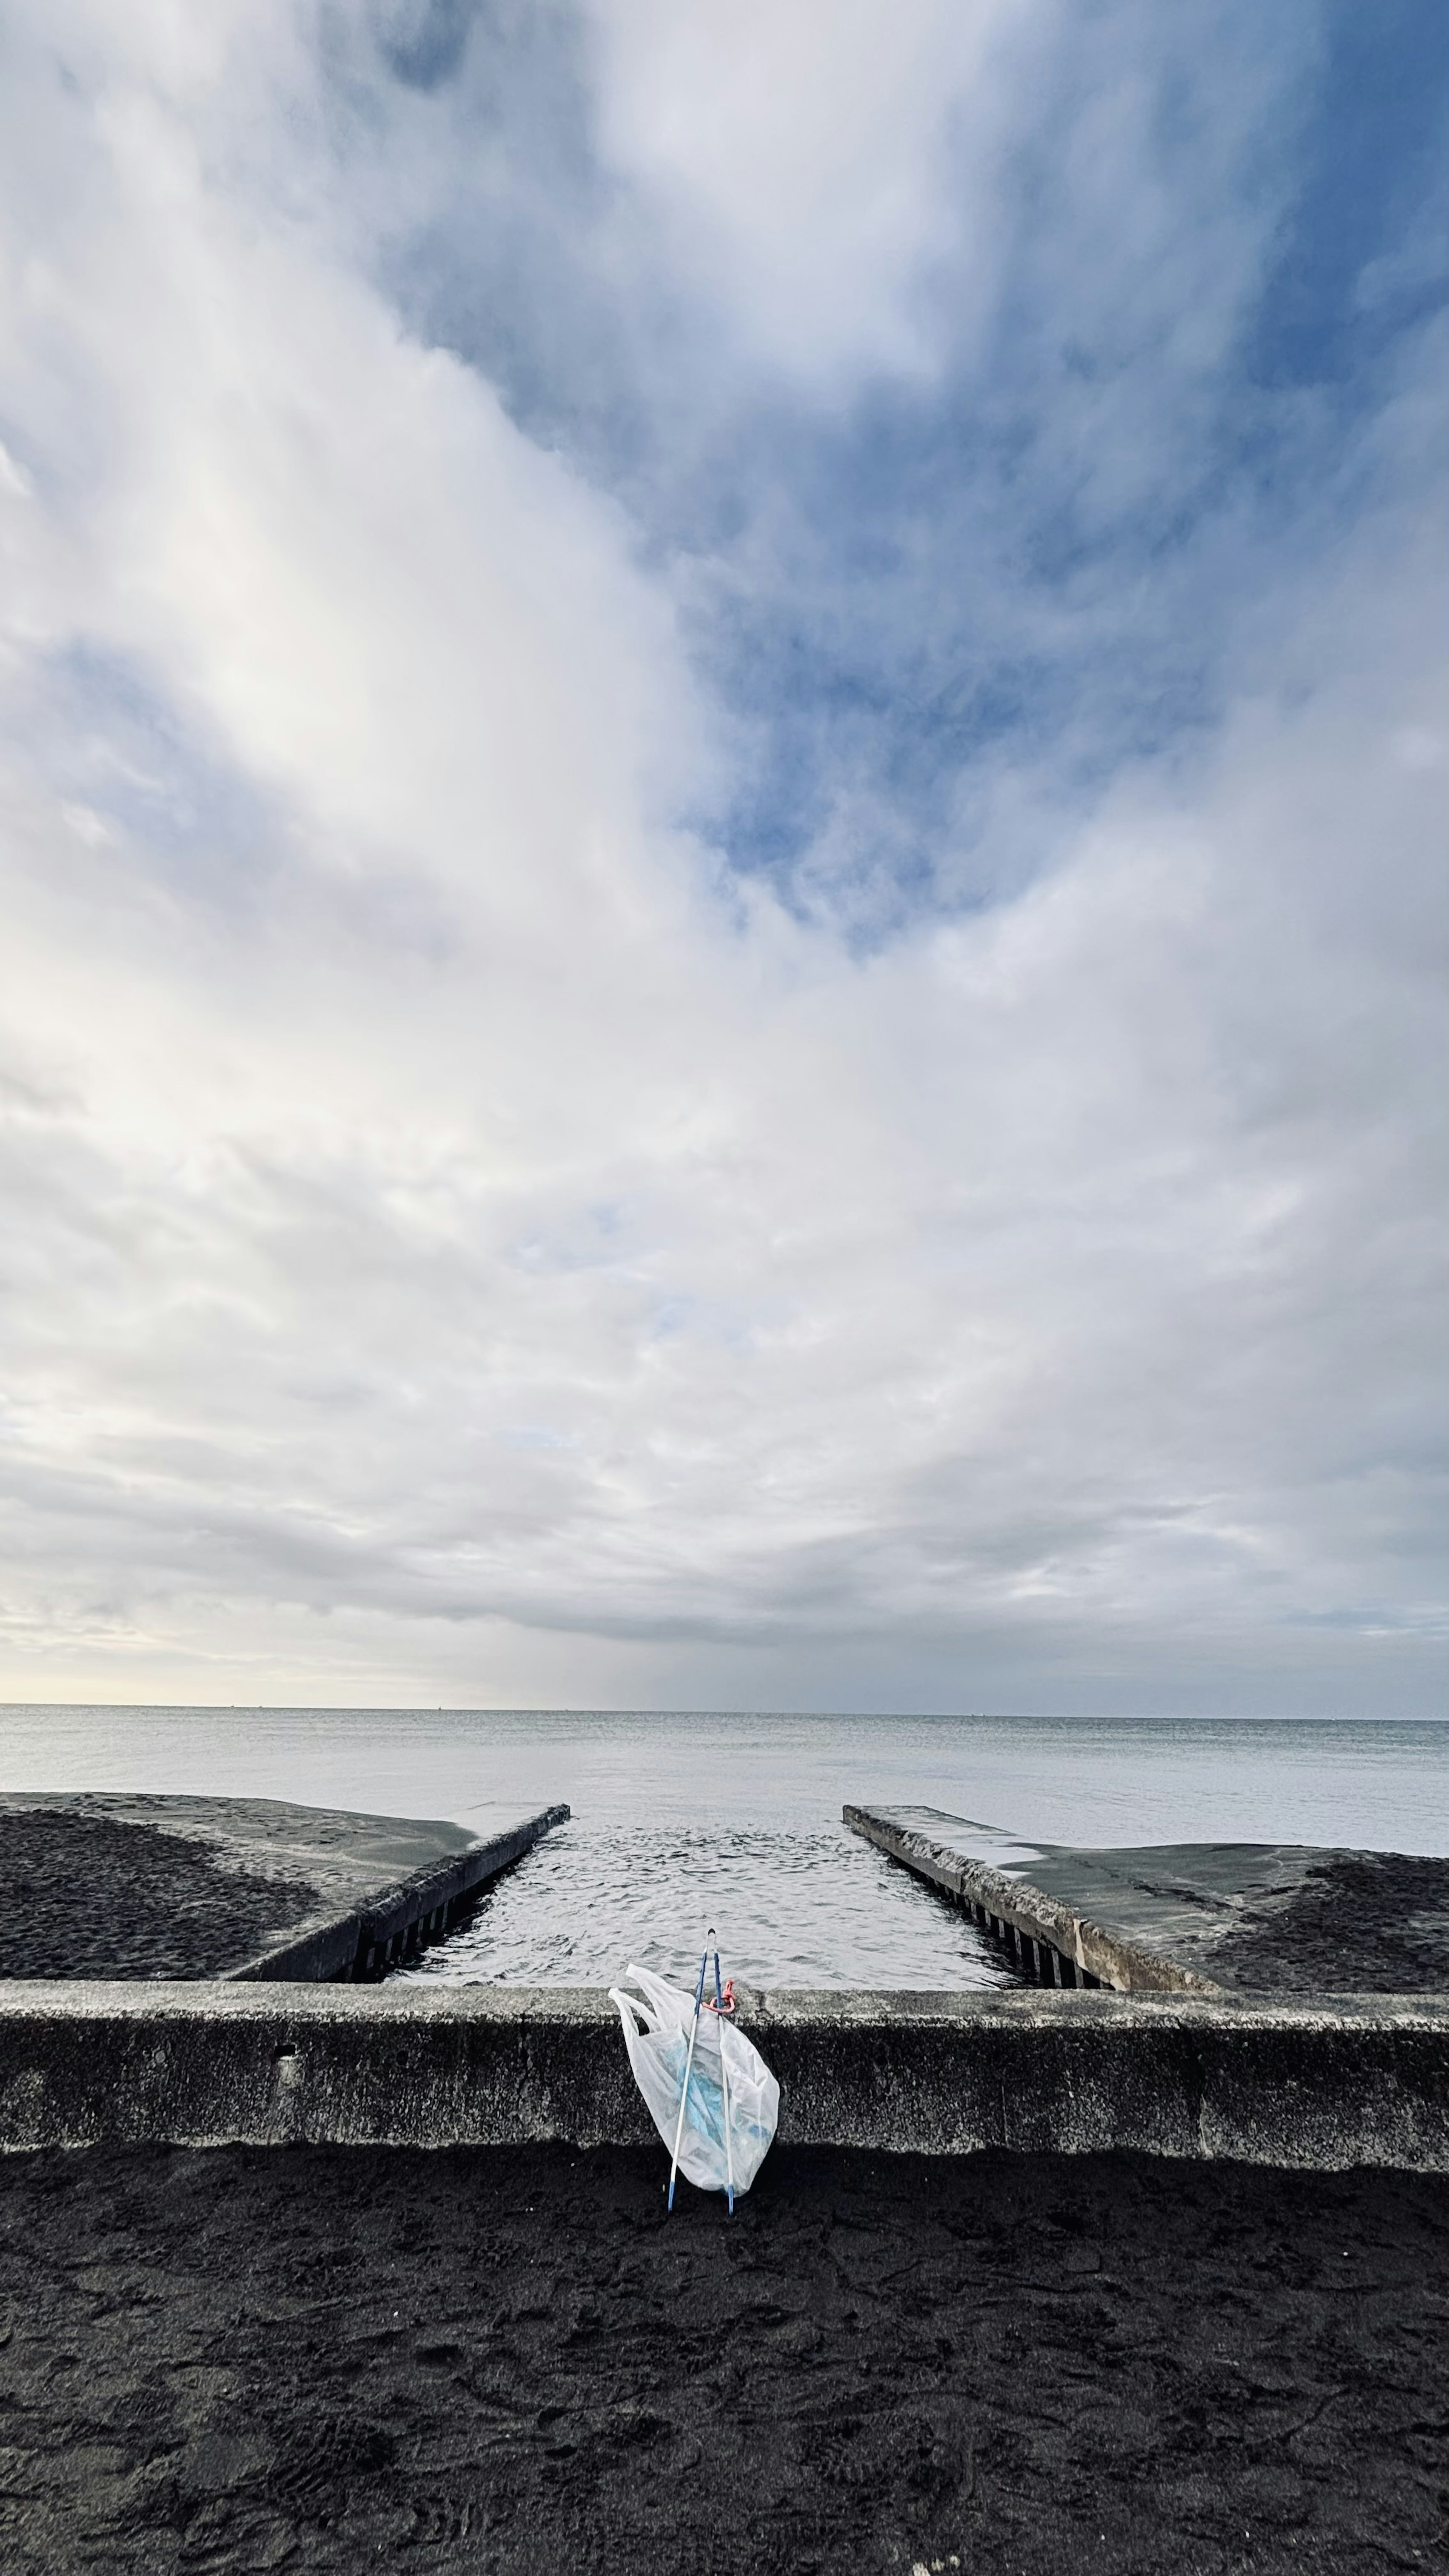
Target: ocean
(684, 1821)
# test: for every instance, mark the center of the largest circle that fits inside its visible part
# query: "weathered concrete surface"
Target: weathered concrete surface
(1188, 1917)
(203, 2065)
(1326, 2083)
(354, 1892)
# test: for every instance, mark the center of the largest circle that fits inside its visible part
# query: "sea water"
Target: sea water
(683, 1821)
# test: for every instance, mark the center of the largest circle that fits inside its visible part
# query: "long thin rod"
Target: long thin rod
(688, 2063)
(724, 2077)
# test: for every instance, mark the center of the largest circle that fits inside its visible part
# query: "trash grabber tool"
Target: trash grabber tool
(724, 2077)
(688, 2065)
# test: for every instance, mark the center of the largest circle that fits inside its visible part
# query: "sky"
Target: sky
(725, 757)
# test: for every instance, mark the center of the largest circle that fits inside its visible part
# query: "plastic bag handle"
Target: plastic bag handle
(632, 2011)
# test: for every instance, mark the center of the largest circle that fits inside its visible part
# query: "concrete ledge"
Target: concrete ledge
(1326, 2082)
(228, 2063)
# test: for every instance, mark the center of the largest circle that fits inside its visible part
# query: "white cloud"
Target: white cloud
(460, 1246)
(797, 157)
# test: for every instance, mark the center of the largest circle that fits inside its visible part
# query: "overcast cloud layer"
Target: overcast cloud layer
(725, 761)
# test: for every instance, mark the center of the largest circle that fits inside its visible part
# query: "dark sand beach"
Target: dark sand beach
(1361, 1923)
(510, 2360)
(84, 1896)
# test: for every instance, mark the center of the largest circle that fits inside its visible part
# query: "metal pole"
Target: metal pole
(724, 2078)
(688, 2063)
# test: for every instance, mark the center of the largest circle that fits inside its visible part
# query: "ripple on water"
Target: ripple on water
(790, 1909)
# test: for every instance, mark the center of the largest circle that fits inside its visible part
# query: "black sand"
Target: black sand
(84, 1896)
(510, 2361)
(1362, 1922)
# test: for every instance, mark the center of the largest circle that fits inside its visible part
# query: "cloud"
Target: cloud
(812, 167)
(960, 512)
(474, 1230)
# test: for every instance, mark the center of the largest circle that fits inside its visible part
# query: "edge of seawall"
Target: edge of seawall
(1320, 2082)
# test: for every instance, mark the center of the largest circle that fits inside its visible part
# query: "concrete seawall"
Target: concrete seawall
(1324, 2082)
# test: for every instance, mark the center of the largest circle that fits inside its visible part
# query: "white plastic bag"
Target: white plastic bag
(656, 2034)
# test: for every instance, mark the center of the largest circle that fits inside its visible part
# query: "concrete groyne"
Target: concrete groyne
(1048, 1940)
(362, 1940)
(1321, 2082)
(1184, 1918)
(149, 1886)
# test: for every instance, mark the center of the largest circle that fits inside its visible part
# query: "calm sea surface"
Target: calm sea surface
(684, 1821)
